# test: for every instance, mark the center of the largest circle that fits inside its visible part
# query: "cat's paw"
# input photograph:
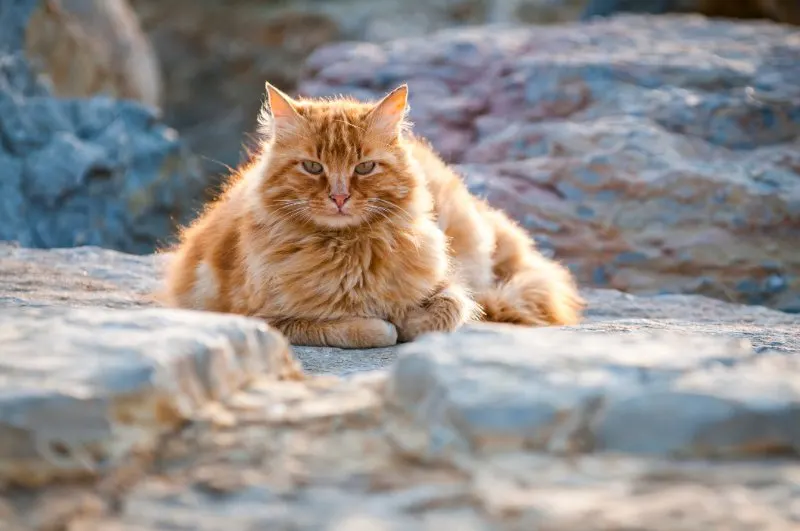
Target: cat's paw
(363, 333)
(446, 311)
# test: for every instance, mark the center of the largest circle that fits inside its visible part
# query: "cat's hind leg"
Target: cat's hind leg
(530, 288)
(356, 332)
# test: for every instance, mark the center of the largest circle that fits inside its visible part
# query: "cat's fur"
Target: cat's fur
(413, 251)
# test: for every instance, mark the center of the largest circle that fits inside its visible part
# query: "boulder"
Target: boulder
(651, 154)
(84, 171)
(665, 413)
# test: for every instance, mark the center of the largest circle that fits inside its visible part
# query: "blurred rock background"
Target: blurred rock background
(216, 54)
(650, 156)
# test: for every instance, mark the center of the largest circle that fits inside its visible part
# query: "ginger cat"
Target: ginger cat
(346, 230)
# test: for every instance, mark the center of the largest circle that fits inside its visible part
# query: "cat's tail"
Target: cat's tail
(531, 299)
(530, 289)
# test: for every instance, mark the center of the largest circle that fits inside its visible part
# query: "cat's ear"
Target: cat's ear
(279, 115)
(389, 114)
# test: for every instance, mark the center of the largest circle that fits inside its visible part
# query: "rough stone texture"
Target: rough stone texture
(651, 154)
(309, 457)
(84, 171)
(506, 389)
(216, 55)
(84, 388)
(594, 427)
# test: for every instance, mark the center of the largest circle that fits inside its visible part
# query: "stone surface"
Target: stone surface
(314, 457)
(82, 389)
(651, 154)
(593, 427)
(555, 390)
(91, 171)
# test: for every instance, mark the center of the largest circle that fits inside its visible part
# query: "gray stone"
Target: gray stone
(256, 470)
(82, 389)
(559, 390)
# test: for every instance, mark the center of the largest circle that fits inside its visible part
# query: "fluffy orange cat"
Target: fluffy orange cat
(345, 230)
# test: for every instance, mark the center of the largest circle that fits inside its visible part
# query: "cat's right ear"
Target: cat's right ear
(279, 115)
(388, 115)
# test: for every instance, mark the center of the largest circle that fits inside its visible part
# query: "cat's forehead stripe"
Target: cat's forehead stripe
(339, 133)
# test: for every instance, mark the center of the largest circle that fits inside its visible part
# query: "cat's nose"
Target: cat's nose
(340, 199)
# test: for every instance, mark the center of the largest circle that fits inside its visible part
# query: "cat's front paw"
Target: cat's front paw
(445, 311)
(363, 333)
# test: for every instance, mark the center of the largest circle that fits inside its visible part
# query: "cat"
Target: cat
(347, 230)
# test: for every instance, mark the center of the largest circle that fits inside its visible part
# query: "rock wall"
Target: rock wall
(661, 413)
(93, 171)
(652, 154)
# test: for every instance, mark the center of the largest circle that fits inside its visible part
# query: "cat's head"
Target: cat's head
(336, 163)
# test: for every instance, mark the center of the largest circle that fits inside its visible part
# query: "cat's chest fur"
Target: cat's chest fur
(371, 275)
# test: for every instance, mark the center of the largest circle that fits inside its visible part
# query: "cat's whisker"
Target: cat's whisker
(381, 212)
(397, 208)
(291, 212)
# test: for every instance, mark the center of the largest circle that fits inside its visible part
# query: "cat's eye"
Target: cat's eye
(313, 167)
(365, 168)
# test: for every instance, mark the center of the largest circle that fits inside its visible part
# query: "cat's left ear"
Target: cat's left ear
(279, 114)
(389, 114)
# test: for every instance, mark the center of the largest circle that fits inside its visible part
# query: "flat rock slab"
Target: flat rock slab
(80, 389)
(487, 389)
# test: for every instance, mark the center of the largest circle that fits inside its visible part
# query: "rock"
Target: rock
(507, 389)
(90, 47)
(666, 412)
(85, 388)
(214, 76)
(93, 171)
(787, 11)
(673, 169)
(302, 485)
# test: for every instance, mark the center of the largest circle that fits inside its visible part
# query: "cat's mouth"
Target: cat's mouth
(338, 219)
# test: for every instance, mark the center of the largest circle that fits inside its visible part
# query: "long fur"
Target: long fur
(414, 251)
